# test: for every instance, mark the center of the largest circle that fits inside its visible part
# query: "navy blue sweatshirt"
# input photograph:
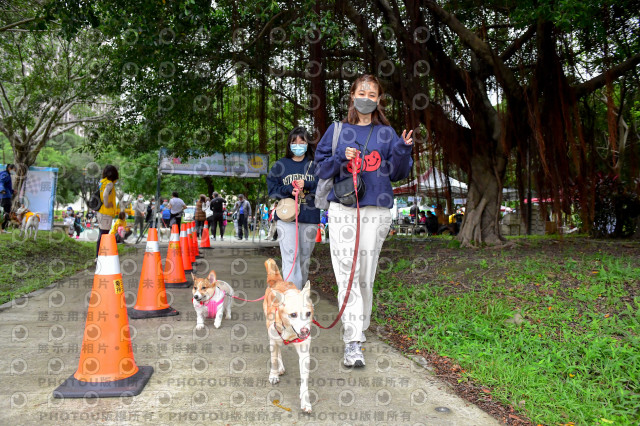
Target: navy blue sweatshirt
(280, 184)
(387, 159)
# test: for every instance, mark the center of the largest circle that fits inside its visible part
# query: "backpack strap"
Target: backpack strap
(336, 135)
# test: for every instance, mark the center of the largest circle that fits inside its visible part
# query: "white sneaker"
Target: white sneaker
(353, 356)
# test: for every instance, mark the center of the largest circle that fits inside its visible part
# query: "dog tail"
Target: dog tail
(273, 273)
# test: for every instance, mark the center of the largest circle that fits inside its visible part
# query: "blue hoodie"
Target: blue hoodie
(5, 185)
(279, 182)
(387, 159)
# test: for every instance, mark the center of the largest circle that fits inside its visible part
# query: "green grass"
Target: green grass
(574, 358)
(31, 265)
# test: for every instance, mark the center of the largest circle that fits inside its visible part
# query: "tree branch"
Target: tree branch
(613, 73)
(4, 95)
(517, 43)
(15, 24)
(510, 84)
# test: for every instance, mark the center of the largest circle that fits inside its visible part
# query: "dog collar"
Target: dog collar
(287, 342)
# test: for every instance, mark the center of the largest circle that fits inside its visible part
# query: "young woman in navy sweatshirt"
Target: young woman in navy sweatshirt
(387, 158)
(295, 173)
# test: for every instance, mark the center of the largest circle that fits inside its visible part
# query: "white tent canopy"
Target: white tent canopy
(433, 183)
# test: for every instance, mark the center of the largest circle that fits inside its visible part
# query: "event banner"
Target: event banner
(238, 164)
(39, 193)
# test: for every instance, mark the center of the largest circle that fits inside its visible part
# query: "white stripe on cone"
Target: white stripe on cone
(174, 238)
(108, 265)
(152, 247)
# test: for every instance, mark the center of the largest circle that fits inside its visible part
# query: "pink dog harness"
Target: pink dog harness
(212, 306)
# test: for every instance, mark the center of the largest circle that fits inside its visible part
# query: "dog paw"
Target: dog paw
(306, 407)
(199, 326)
(228, 316)
(281, 371)
(273, 379)
(217, 324)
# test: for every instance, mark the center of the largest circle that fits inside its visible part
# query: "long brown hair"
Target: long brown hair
(377, 116)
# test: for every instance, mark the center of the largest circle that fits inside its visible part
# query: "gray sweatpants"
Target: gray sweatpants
(306, 243)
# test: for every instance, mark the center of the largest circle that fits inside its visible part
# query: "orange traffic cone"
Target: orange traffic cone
(152, 295)
(319, 235)
(205, 242)
(194, 241)
(174, 276)
(107, 367)
(185, 245)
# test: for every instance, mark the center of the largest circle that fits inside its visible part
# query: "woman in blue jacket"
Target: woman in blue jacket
(291, 175)
(381, 158)
(6, 193)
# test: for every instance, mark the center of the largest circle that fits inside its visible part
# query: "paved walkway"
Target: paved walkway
(217, 376)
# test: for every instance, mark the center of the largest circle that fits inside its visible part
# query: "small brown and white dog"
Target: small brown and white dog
(29, 222)
(209, 299)
(289, 313)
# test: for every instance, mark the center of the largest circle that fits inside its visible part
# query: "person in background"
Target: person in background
(120, 228)
(150, 215)
(199, 216)
(243, 209)
(6, 194)
(208, 214)
(140, 211)
(225, 217)
(423, 218)
(108, 197)
(165, 214)
(218, 216)
(75, 222)
(272, 223)
(324, 220)
(177, 206)
(431, 222)
(413, 212)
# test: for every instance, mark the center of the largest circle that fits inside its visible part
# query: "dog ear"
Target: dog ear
(306, 293)
(193, 277)
(278, 298)
(212, 277)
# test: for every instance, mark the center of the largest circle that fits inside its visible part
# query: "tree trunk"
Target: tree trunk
(318, 83)
(480, 224)
(210, 188)
(22, 163)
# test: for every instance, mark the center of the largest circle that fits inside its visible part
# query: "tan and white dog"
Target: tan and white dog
(209, 299)
(289, 313)
(29, 222)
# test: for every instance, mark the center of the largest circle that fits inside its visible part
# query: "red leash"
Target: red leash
(354, 174)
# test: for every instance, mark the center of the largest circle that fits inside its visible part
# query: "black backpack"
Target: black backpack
(95, 203)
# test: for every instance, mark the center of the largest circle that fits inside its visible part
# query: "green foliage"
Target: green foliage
(31, 265)
(574, 357)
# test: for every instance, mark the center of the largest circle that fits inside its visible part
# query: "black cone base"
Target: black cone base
(185, 284)
(131, 386)
(206, 248)
(137, 314)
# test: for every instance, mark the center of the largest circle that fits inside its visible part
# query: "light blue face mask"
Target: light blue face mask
(298, 149)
